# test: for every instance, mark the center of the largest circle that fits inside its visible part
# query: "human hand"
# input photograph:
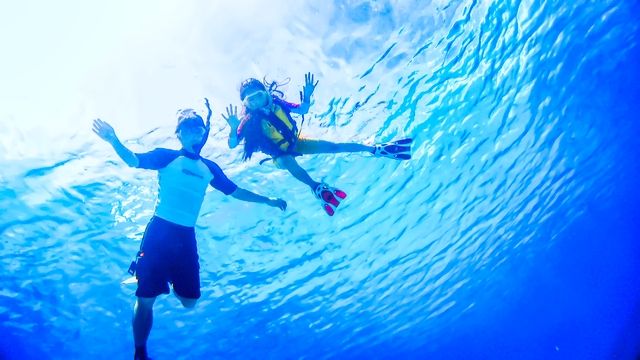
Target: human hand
(209, 112)
(104, 131)
(308, 88)
(277, 202)
(232, 117)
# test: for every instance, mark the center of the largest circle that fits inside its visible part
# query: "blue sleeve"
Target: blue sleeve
(156, 159)
(220, 180)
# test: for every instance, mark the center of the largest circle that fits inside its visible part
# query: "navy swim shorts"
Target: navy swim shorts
(168, 255)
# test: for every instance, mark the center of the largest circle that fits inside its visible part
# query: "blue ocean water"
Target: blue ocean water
(512, 234)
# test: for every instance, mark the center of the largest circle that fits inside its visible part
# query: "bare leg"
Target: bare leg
(142, 321)
(330, 197)
(328, 147)
(289, 162)
(186, 302)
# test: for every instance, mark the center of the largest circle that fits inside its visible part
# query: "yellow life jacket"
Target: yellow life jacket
(280, 128)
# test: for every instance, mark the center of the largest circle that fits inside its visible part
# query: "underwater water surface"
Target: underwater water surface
(511, 234)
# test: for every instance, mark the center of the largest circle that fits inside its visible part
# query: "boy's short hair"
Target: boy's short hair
(189, 117)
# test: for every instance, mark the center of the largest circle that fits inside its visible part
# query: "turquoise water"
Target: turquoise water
(511, 234)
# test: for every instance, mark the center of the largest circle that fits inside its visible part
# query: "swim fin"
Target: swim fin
(398, 149)
(329, 197)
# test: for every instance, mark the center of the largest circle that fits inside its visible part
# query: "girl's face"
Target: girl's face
(256, 100)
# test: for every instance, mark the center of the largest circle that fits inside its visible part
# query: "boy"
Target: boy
(168, 253)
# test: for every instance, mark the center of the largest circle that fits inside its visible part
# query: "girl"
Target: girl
(266, 125)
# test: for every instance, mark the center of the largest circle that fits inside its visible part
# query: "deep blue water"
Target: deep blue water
(512, 234)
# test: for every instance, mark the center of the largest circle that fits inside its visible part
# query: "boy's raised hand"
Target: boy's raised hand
(209, 112)
(104, 131)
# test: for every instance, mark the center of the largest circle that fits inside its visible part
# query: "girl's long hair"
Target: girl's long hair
(251, 131)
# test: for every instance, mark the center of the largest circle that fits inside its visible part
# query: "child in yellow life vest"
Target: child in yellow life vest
(266, 125)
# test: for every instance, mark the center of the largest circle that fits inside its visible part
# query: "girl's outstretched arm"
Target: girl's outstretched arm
(305, 94)
(234, 122)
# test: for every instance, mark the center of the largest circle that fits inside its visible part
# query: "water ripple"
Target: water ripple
(509, 144)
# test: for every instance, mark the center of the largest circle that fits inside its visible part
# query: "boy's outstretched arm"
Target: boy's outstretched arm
(246, 195)
(106, 133)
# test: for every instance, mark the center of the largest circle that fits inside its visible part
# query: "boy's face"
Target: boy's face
(190, 135)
